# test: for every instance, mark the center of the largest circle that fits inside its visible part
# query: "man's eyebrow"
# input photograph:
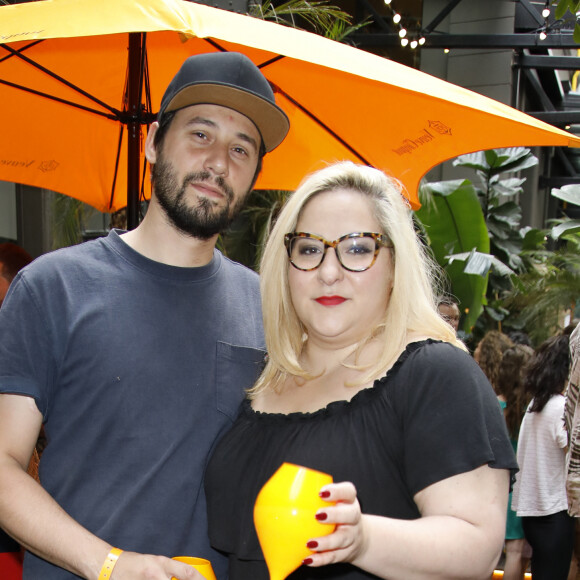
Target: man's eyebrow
(250, 140)
(201, 121)
(209, 123)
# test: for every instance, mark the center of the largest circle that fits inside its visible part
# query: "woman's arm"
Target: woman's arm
(460, 533)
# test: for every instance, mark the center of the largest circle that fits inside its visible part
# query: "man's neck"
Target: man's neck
(157, 239)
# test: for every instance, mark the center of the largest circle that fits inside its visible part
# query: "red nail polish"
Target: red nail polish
(324, 494)
(312, 545)
(307, 561)
(321, 516)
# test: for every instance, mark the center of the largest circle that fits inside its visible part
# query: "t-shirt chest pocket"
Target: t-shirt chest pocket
(237, 368)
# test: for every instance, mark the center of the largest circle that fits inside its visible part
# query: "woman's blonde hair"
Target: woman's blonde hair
(412, 306)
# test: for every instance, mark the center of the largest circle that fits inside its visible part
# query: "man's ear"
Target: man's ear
(150, 151)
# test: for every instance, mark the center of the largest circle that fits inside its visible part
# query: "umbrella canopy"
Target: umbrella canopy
(80, 80)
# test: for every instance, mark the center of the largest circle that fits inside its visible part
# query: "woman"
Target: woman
(366, 382)
(539, 496)
(513, 401)
(489, 352)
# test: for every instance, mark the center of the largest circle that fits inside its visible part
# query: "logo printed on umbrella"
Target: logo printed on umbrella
(16, 163)
(46, 166)
(440, 127)
(426, 136)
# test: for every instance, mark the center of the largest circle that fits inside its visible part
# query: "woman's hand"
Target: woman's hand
(348, 541)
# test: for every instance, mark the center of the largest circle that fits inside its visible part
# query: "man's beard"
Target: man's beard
(201, 221)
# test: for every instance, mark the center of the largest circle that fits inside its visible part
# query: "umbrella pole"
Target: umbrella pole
(134, 130)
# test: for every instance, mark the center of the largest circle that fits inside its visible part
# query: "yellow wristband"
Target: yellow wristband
(109, 564)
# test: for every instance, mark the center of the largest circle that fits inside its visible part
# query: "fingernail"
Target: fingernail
(324, 494)
(312, 544)
(307, 561)
(321, 516)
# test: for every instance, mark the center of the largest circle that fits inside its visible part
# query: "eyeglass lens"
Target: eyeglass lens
(353, 253)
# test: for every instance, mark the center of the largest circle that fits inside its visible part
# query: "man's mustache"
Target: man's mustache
(220, 182)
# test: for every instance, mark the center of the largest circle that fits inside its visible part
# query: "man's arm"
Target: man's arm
(30, 515)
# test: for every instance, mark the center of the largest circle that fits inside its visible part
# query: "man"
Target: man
(449, 311)
(135, 350)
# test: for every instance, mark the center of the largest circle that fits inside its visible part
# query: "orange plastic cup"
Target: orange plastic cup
(200, 564)
(284, 516)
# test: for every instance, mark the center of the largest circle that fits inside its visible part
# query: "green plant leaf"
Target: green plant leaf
(510, 187)
(509, 213)
(568, 193)
(532, 238)
(475, 161)
(561, 8)
(576, 35)
(454, 223)
(566, 227)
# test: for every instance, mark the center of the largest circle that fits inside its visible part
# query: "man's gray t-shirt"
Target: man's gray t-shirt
(137, 367)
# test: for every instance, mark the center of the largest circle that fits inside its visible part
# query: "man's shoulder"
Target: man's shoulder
(64, 260)
(238, 270)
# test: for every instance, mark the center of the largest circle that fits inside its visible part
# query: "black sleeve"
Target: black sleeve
(451, 417)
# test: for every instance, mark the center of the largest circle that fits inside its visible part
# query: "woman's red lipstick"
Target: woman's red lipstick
(330, 300)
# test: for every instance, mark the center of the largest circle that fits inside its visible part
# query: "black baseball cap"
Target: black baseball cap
(232, 80)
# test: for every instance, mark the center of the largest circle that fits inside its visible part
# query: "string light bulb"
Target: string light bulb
(546, 12)
(402, 31)
(543, 35)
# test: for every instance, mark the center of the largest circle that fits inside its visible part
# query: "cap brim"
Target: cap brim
(270, 120)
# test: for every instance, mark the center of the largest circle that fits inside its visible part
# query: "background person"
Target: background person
(513, 400)
(488, 354)
(539, 495)
(12, 259)
(572, 420)
(448, 308)
(135, 349)
(366, 382)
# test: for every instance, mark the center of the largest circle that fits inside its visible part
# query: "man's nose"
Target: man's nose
(217, 160)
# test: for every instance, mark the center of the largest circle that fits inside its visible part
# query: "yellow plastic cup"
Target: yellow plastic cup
(200, 564)
(284, 516)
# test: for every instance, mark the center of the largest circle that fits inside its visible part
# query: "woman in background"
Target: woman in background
(489, 352)
(513, 401)
(539, 495)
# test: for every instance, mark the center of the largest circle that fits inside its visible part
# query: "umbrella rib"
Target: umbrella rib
(58, 99)
(277, 89)
(16, 53)
(323, 125)
(31, 45)
(118, 156)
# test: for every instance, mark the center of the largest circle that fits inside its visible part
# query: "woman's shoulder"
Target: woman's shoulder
(432, 354)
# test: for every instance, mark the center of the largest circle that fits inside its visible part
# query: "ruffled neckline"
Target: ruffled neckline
(336, 407)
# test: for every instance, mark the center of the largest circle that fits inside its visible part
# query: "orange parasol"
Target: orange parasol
(81, 79)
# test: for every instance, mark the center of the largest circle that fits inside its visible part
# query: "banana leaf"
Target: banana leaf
(453, 220)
